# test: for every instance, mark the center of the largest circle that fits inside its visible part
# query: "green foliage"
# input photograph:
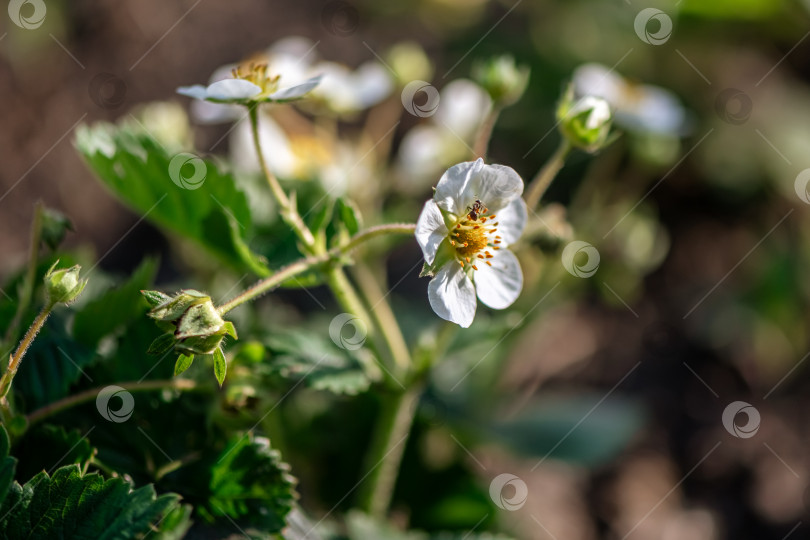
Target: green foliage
(8, 465)
(115, 308)
(135, 167)
(565, 428)
(251, 484)
(54, 352)
(298, 354)
(69, 505)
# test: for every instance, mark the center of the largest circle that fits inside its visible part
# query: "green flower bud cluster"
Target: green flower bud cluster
(585, 122)
(193, 325)
(504, 81)
(63, 286)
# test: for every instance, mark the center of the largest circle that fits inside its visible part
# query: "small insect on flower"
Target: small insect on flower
(476, 208)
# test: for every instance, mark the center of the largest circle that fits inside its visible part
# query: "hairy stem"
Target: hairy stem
(387, 448)
(545, 176)
(16, 357)
(333, 255)
(288, 211)
(91, 394)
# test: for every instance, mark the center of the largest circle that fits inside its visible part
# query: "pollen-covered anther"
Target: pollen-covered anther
(475, 267)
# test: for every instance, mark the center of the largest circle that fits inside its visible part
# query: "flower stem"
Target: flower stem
(16, 357)
(383, 316)
(545, 176)
(485, 133)
(396, 415)
(293, 269)
(91, 394)
(288, 210)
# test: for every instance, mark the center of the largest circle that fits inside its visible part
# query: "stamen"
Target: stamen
(475, 267)
(492, 217)
(480, 256)
(489, 263)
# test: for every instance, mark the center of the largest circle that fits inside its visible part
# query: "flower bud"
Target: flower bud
(585, 122)
(63, 286)
(502, 79)
(195, 324)
(409, 62)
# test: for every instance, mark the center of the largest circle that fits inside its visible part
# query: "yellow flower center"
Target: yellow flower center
(257, 74)
(474, 234)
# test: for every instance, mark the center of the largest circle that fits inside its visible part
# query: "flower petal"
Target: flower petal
(452, 295)
(496, 186)
(511, 221)
(232, 90)
(430, 230)
(452, 190)
(297, 91)
(499, 285)
(197, 91)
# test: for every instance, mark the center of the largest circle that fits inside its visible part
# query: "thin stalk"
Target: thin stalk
(384, 316)
(27, 291)
(485, 133)
(91, 394)
(16, 357)
(288, 211)
(333, 255)
(387, 448)
(545, 176)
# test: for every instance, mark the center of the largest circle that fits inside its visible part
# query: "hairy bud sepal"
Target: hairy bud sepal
(63, 286)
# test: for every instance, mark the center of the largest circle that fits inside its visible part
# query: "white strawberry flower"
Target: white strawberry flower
(249, 84)
(476, 212)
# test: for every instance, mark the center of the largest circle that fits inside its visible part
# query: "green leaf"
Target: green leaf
(116, 308)
(348, 215)
(183, 363)
(251, 484)
(212, 212)
(70, 505)
(323, 365)
(589, 435)
(321, 216)
(220, 365)
(162, 344)
(56, 354)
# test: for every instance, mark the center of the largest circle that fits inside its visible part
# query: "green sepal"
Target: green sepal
(199, 344)
(229, 329)
(172, 309)
(161, 344)
(155, 298)
(183, 363)
(220, 365)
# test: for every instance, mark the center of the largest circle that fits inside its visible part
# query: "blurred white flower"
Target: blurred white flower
(476, 210)
(585, 122)
(249, 84)
(295, 59)
(344, 91)
(445, 138)
(638, 107)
